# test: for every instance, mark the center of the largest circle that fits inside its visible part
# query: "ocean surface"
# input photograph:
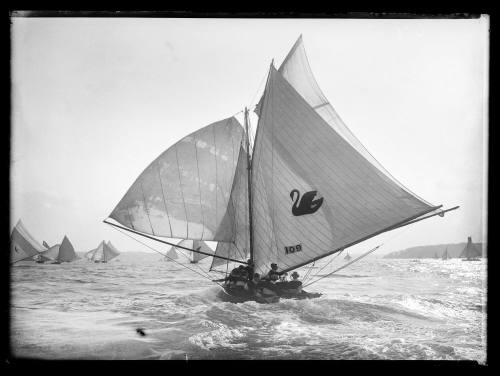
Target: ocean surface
(374, 309)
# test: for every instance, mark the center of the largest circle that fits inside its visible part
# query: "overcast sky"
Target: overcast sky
(95, 100)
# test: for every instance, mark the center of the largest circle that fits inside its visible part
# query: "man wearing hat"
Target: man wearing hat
(250, 269)
(295, 285)
(273, 274)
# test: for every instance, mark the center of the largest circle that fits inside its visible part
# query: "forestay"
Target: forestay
(184, 193)
(313, 192)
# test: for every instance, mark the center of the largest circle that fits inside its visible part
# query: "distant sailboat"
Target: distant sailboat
(307, 190)
(347, 257)
(470, 252)
(171, 254)
(59, 253)
(446, 256)
(436, 255)
(198, 246)
(22, 244)
(103, 253)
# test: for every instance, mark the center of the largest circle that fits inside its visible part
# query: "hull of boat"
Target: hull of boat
(240, 295)
(301, 295)
(475, 259)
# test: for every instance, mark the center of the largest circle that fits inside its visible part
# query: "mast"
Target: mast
(249, 169)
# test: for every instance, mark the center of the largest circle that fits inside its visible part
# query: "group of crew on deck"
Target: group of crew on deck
(243, 277)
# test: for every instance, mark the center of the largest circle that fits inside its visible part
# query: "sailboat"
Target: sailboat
(23, 245)
(307, 189)
(446, 256)
(103, 253)
(197, 246)
(171, 254)
(59, 253)
(470, 252)
(436, 255)
(347, 257)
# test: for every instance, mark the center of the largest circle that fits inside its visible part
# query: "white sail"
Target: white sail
(52, 252)
(113, 248)
(90, 254)
(238, 208)
(184, 193)
(22, 244)
(110, 252)
(66, 251)
(313, 192)
(171, 254)
(296, 70)
(103, 253)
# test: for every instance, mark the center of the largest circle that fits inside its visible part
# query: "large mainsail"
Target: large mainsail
(184, 193)
(22, 244)
(313, 192)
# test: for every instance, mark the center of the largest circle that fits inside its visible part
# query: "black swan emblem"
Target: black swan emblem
(307, 203)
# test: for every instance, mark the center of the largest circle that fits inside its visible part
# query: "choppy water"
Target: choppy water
(374, 309)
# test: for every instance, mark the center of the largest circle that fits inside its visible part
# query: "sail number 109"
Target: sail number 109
(293, 249)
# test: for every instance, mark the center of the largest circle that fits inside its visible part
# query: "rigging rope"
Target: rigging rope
(260, 85)
(165, 255)
(328, 263)
(309, 271)
(345, 265)
(357, 258)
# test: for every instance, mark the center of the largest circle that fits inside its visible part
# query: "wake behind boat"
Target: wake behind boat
(297, 195)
